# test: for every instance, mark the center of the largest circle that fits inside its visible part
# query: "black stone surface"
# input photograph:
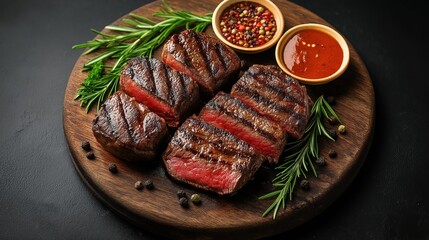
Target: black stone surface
(42, 196)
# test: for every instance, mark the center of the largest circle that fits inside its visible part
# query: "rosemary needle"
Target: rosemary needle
(141, 37)
(299, 155)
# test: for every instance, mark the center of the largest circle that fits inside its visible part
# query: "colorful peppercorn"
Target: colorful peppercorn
(184, 202)
(113, 168)
(86, 146)
(305, 185)
(149, 184)
(248, 24)
(90, 155)
(332, 154)
(139, 185)
(195, 198)
(342, 129)
(181, 194)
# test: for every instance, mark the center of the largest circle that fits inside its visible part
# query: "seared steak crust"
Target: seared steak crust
(274, 94)
(165, 91)
(210, 158)
(128, 129)
(202, 57)
(232, 115)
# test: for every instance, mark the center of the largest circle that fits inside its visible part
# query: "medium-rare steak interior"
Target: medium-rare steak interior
(210, 158)
(202, 57)
(220, 149)
(274, 94)
(165, 91)
(232, 115)
(128, 129)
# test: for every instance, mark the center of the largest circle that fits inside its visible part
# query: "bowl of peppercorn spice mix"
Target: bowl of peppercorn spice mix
(248, 26)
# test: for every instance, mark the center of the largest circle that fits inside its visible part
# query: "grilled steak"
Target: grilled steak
(165, 91)
(204, 58)
(210, 158)
(232, 115)
(271, 92)
(128, 129)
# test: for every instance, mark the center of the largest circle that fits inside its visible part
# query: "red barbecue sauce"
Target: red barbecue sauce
(312, 54)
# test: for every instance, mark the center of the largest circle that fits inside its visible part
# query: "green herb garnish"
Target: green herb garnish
(140, 38)
(299, 156)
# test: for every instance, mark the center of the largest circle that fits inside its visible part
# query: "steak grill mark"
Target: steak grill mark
(234, 116)
(154, 77)
(274, 94)
(188, 139)
(202, 57)
(215, 105)
(128, 129)
(210, 158)
(273, 85)
(165, 91)
(254, 95)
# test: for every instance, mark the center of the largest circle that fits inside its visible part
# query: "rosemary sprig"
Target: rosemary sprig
(141, 37)
(299, 155)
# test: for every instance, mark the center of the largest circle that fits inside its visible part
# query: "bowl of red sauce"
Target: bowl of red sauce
(248, 26)
(312, 53)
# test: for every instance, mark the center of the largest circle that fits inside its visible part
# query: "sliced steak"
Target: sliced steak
(165, 91)
(128, 129)
(210, 158)
(202, 57)
(232, 115)
(271, 92)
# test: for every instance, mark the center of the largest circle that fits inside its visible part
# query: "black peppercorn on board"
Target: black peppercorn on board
(158, 209)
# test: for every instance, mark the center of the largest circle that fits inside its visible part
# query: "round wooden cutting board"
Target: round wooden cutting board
(239, 215)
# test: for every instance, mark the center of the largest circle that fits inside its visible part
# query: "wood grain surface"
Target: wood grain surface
(239, 215)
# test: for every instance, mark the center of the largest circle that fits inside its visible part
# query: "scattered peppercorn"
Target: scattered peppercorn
(90, 155)
(86, 146)
(149, 184)
(195, 198)
(332, 133)
(139, 185)
(113, 168)
(181, 194)
(320, 161)
(332, 154)
(305, 185)
(342, 129)
(184, 202)
(330, 100)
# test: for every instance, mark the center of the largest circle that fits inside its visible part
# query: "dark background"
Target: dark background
(42, 196)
